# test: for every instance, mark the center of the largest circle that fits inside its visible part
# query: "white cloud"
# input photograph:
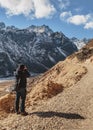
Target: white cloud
(85, 20)
(15, 7)
(36, 8)
(89, 25)
(43, 8)
(78, 19)
(65, 15)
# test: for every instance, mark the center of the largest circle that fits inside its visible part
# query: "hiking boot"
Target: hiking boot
(24, 113)
(17, 112)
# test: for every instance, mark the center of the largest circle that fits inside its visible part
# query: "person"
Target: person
(21, 83)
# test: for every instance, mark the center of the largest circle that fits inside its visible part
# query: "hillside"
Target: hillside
(59, 99)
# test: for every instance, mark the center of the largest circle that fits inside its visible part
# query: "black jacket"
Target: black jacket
(21, 78)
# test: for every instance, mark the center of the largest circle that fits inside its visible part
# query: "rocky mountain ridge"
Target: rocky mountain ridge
(36, 46)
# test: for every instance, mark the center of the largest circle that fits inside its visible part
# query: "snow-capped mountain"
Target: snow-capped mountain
(80, 43)
(36, 46)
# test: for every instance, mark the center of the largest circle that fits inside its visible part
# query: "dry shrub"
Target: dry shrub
(54, 88)
(7, 103)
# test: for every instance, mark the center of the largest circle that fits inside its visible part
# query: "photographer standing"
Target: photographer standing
(21, 83)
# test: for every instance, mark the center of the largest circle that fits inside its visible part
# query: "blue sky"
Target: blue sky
(72, 17)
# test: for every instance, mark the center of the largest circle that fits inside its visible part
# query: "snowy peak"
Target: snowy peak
(80, 43)
(40, 29)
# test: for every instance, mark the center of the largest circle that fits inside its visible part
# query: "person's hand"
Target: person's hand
(25, 68)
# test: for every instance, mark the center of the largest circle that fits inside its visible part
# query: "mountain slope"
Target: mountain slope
(69, 107)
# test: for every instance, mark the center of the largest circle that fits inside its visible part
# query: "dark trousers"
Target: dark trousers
(20, 100)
